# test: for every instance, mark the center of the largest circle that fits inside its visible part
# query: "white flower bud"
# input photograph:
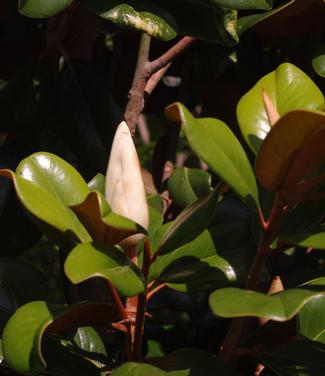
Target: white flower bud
(124, 187)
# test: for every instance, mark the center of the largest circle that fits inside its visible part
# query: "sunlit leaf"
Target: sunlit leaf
(186, 185)
(42, 8)
(289, 89)
(127, 16)
(89, 260)
(213, 141)
(234, 302)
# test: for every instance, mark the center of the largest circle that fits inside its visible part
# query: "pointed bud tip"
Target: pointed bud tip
(124, 188)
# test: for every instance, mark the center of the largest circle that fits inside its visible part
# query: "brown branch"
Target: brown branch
(135, 103)
(141, 307)
(147, 75)
(170, 55)
(155, 78)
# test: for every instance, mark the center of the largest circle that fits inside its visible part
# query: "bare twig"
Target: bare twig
(147, 75)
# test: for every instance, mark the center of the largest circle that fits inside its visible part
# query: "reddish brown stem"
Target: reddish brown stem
(170, 55)
(254, 276)
(150, 73)
(141, 307)
(117, 300)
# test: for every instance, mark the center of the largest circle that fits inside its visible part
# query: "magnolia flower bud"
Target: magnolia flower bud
(124, 188)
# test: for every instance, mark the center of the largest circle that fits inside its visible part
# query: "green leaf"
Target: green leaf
(186, 185)
(64, 360)
(189, 274)
(235, 252)
(289, 89)
(47, 185)
(319, 62)
(86, 342)
(42, 8)
(311, 320)
(22, 336)
(156, 202)
(89, 260)
(316, 240)
(215, 143)
(102, 223)
(246, 22)
(125, 15)
(190, 223)
(55, 175)
(296, 358)
(246, 4)
(97, 183)
(234, 302)
(201, 19)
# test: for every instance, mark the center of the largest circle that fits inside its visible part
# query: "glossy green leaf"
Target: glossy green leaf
(289, 89)
(189, 274)
(311, 320)
(190, 223)
(61, 359)
(102, 223)
(89, 260)
(55, 175)
(296, 358)
(48, 208)
(246, 22)
(22, 336)
(97, 183)
(244, 4)
(319, 62)
(201, 19)
(280, 150)
(235, 252)
(86, 342)
(186, 185)
(316, 240)
(214, 142)
(234, 302)
(42, 8)
(47, 185)
(125, 15)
